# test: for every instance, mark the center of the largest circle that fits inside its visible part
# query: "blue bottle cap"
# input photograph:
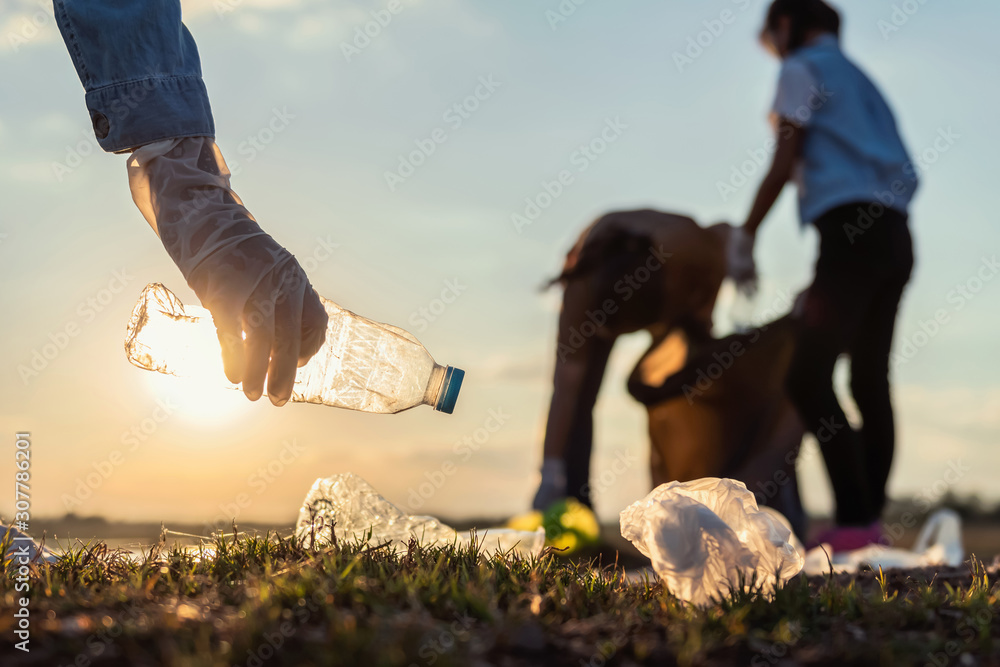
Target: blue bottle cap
(449, 390)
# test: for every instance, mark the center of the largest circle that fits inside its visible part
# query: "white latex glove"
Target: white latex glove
(739, 260)
(248, 281)
(552, 486)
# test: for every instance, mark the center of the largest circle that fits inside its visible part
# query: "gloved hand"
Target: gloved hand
(739, 260)
(553, 484)
(246, 280)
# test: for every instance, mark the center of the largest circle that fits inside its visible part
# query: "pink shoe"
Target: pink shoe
(849, 538)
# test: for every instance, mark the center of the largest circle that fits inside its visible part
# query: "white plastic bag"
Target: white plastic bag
(702, 536)
(939, 543)
(354, 510)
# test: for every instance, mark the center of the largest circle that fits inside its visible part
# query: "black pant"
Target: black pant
(865, 259)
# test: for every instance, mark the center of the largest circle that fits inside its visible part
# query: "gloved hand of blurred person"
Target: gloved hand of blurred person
(249, 282)
(739, 260)
(552, 486)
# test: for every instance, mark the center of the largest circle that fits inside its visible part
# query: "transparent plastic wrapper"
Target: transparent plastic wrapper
(363, 365)
(939, 543)
(352, 509)
(703, 536)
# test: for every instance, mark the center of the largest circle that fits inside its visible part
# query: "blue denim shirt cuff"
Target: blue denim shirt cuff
(134, 113)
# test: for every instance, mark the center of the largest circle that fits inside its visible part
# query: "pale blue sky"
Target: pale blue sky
(69, 223)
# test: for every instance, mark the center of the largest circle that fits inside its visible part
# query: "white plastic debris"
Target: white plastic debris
(22, 549)
(939, 543)
(703, 536)
(354, 510)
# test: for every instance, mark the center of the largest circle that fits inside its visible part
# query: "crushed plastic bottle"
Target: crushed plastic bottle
(363, 365)
(704, 536)
(350, 508)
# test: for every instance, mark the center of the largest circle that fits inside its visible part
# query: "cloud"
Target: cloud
(26, 23)
(28, 172)
(321, 25)
(953, 407)
(299, 24)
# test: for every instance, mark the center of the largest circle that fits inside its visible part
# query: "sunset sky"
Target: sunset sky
(312, 118)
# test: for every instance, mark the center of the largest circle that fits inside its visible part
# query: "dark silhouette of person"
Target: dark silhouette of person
(837, 138)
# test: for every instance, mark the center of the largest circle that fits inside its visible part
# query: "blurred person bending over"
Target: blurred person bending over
(628, 271)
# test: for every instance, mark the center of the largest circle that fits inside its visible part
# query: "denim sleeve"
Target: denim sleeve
(139, 66)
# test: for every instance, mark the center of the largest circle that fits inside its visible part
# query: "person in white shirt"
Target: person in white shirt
(837, 139)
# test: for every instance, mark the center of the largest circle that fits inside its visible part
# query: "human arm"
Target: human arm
(791, 112)
(140, 69)
(786, 154)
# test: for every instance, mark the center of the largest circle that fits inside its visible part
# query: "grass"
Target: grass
(264, 600)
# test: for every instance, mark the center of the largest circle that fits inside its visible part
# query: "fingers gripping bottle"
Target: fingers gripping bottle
(363, 365)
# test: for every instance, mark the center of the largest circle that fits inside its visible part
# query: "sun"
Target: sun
(180, 342)
(201, 401)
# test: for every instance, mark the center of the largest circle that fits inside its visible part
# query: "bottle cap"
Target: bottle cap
(450, 387)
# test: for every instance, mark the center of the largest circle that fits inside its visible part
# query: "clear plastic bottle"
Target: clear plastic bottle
(363, 365)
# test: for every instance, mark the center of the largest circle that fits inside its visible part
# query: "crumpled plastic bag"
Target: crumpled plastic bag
(354, 510)
(703, 536)
(939, 543)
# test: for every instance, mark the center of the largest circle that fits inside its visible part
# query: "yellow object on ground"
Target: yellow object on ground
(568, 523)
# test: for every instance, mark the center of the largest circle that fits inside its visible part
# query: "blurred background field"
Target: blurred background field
(980, 531)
